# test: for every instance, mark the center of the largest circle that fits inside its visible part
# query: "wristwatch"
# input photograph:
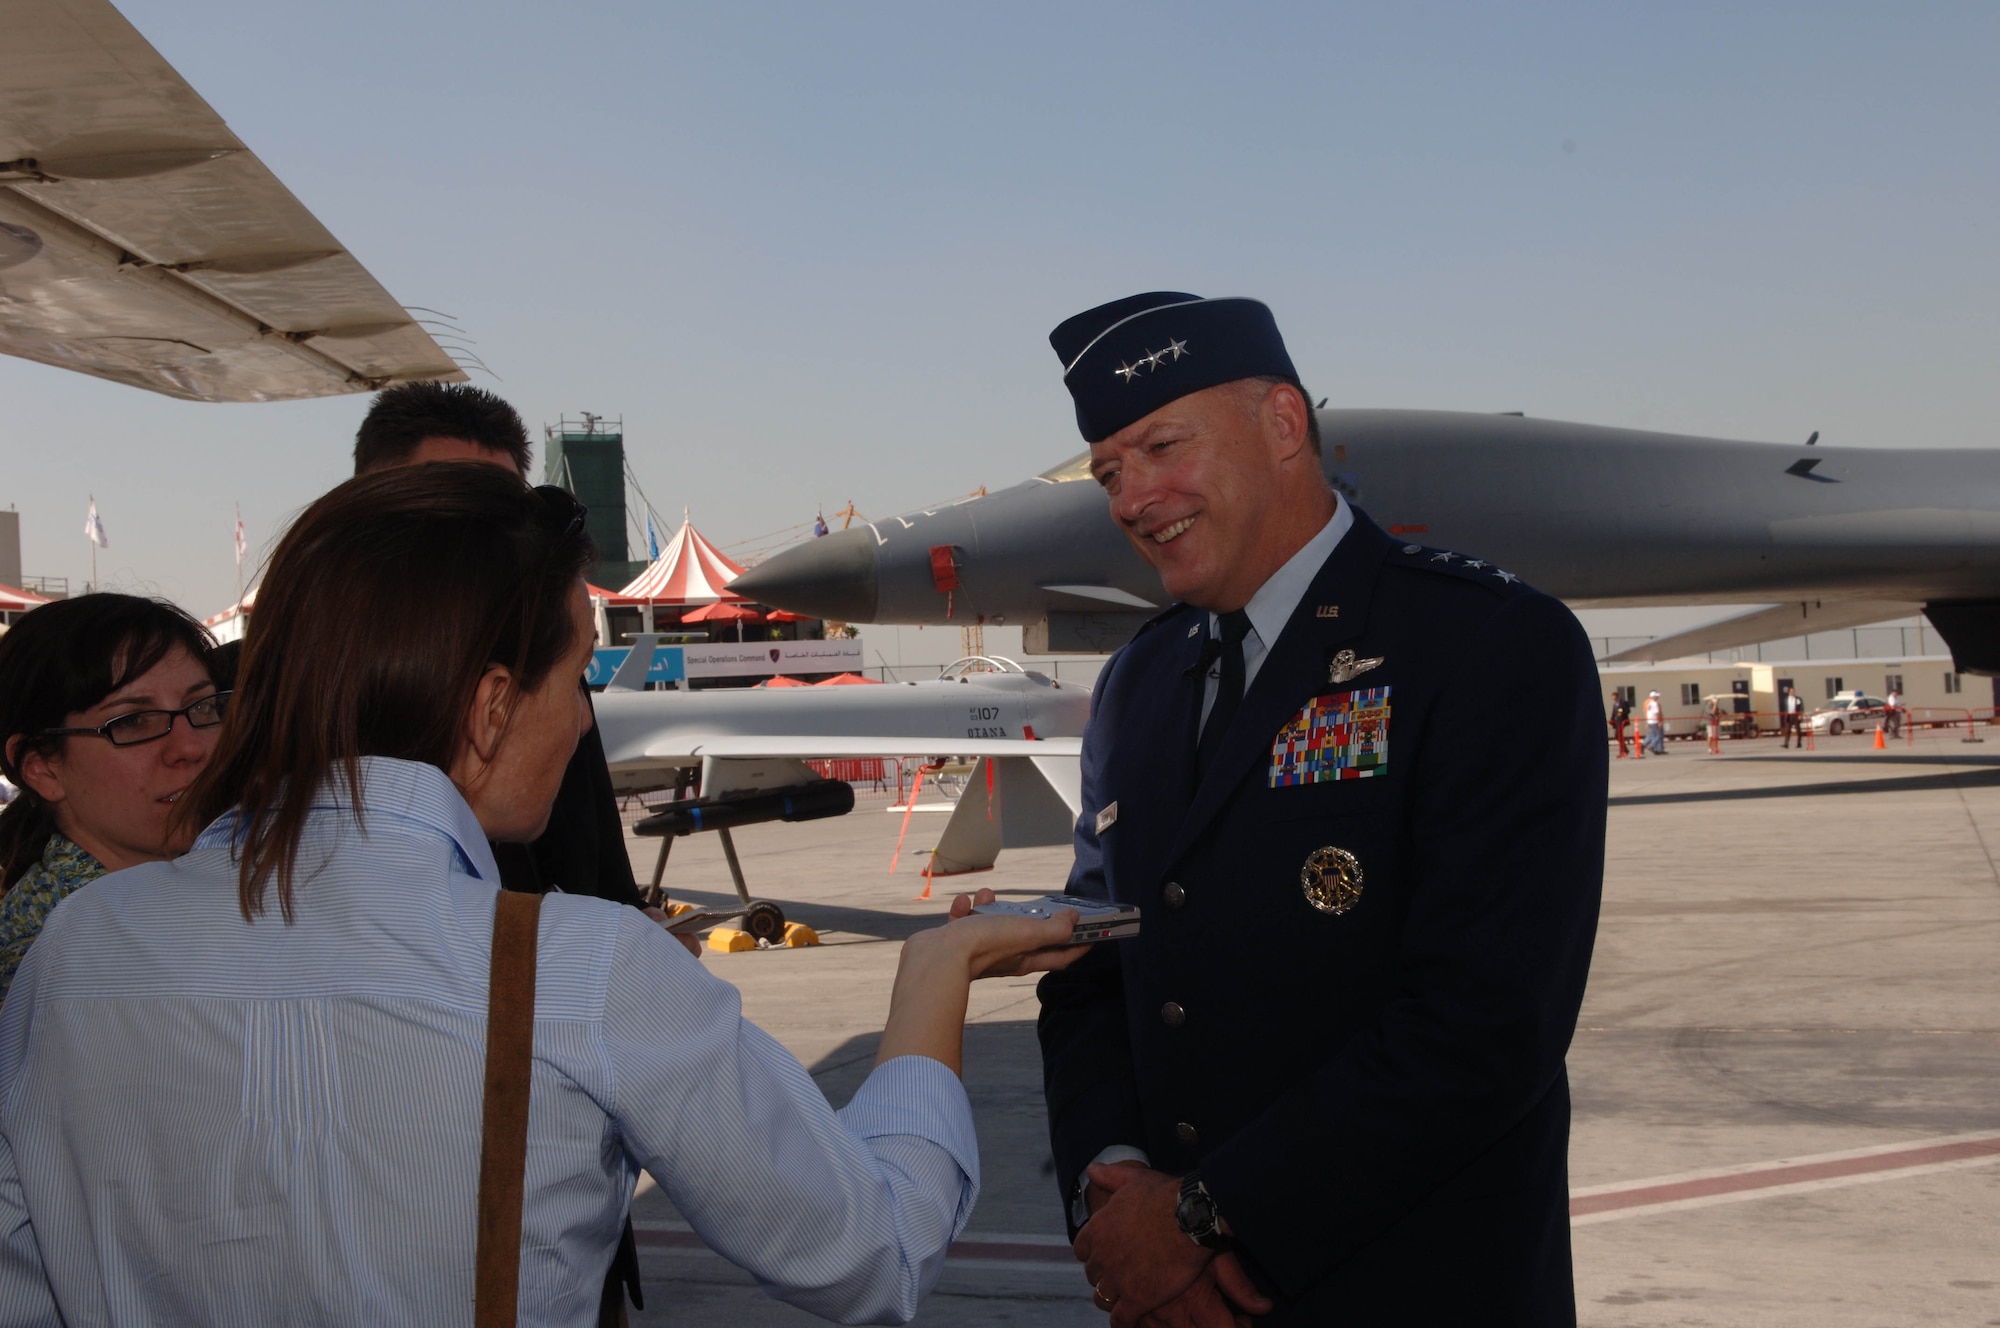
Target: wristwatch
(1197, 1217)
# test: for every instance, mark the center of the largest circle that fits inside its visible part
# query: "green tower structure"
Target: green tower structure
(587, 457)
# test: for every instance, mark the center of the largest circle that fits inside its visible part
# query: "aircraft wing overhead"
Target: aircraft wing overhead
(1760, 625)
(141, 241)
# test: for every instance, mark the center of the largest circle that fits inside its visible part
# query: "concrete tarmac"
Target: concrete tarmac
(1786, 1074)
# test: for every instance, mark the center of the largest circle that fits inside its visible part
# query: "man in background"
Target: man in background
(583, 850)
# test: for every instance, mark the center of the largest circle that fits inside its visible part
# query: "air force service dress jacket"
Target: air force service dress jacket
(1364, 942)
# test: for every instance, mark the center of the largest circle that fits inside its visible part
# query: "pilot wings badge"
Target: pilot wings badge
(1344, 667)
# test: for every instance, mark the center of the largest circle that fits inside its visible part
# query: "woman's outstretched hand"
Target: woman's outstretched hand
(1049, 935)
(939, 965)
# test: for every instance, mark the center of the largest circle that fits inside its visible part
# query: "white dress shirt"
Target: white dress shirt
(1273, 604)
(210, 1121)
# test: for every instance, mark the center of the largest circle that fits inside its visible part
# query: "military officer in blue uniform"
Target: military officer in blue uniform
(1325, 1083)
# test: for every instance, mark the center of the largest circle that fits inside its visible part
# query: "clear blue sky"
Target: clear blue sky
(811, 252)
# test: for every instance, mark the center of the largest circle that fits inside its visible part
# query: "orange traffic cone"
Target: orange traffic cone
(1879, 744)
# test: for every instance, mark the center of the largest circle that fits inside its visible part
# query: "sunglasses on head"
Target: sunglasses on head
(562, 508)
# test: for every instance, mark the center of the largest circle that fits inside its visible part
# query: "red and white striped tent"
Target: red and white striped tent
(228, 625)
(13, 599)
(689, 570)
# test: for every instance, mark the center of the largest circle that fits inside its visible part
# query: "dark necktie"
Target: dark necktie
(1228, 691)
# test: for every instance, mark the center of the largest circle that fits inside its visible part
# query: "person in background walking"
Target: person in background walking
(1714, 709)
(1656, 728)
(1788, 718)
(1621, 717)
(1893, 717)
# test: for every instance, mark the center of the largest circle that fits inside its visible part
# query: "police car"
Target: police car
(1850, 712)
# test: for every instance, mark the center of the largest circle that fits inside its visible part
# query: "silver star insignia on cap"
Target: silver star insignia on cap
(1128, 371)
(1175, 349)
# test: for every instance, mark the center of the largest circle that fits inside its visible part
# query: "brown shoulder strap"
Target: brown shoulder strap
(503, 1153)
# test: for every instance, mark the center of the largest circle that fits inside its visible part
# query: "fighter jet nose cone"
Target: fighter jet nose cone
(834, 576)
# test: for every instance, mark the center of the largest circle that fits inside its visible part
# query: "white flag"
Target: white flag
(93, 528)
(242, 545)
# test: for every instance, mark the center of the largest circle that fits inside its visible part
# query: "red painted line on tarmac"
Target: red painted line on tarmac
(996, 1250)
(1764, 1178)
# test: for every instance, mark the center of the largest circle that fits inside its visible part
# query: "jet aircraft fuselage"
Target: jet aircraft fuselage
(1597, 516)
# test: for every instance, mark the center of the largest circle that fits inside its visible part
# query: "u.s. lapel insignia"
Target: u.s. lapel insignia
(1327, 611)
(1331, 880)
(1344, 667)
(1342, 735)
(1107, 818)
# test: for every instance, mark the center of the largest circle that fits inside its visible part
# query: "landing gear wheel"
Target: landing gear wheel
(765, 921)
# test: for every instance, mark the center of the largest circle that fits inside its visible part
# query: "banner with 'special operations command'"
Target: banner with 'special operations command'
(731, 659)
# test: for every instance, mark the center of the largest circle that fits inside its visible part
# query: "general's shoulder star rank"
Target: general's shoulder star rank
(1442, 558)
(1474, 564)
(1508, 577)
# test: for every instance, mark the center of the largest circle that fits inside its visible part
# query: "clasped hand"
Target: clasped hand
(1143, 1268)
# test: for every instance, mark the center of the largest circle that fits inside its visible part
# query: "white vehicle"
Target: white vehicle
(1849, 712)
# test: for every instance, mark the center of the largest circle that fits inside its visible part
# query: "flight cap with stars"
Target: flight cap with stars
(1124, 360)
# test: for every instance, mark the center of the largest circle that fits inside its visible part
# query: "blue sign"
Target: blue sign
(667, 665)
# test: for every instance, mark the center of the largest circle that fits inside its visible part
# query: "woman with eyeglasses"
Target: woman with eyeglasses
(107, 714)
(246, 1086)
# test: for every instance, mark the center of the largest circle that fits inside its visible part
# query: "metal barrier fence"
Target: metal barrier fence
(857, 770)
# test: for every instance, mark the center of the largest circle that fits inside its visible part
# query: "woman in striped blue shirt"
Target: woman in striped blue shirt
(246, 1086)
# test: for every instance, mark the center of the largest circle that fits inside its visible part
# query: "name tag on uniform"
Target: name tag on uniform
(1342, 735)
(1107, 818)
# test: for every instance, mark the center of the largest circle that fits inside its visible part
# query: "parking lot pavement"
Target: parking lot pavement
(1797, 962)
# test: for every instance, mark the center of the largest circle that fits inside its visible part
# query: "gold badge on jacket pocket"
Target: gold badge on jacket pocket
(1331, 880)
(1342, 735)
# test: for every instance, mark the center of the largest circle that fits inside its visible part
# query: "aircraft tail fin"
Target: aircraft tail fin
(631, 675)
(1010, 802)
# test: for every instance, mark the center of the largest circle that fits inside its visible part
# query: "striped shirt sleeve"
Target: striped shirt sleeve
(844, 1214)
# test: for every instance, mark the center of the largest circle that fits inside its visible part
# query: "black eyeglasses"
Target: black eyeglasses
(561, 505)
(151, 725)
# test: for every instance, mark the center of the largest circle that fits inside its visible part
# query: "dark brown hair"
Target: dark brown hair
(408, 413)
(384, 605)
(63, 658)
